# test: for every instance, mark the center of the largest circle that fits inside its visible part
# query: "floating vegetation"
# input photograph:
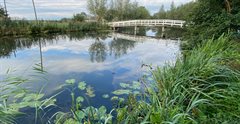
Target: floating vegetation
(90, 91)
(70, 81)
(82, 85)
(79, 99)
(105, 96)
(124, 85)
(121, 92)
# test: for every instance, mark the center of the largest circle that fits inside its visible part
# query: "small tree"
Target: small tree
(3, 14)
(80, 17)
(97, 8)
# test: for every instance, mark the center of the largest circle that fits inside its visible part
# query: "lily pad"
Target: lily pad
(70, 81)
(136, 85)
(114, 98)
(80, 99)
(82, 85)
(124, 85)
(90, 91)
(105, 96)
(121, 92)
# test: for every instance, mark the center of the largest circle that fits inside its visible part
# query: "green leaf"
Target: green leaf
(150, 78)
(124, 85)
(105, 96)
(102, 111)
(20, 95)
(79, 99)
(70, 81)
(90, 91)
(114, 98)
(32, 96)
(81, 115)
(121, 92)
(82, 85)
(136, 85)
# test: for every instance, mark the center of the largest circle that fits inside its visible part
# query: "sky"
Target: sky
(57, 9)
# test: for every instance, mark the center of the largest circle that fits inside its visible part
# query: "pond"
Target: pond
(100, 60)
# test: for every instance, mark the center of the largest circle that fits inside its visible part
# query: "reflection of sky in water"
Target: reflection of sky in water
(65, 59)
(151, 33)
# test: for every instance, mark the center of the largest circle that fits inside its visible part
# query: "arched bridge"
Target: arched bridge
(148, 23)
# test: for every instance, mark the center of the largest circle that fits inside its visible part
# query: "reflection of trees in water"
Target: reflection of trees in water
(98, 51)
(130, 30)
(119, 47)
(10, 45)
(171, 32)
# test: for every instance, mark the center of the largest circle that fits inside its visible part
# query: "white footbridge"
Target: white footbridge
(138, 38)
(148, 23)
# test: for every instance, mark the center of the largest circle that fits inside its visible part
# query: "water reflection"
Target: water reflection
(98, 51)
(116, 56)
(119, 47)
(101, 60)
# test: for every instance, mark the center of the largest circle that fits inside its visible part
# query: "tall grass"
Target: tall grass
(23, 27)
(200, 88)
(14, 96)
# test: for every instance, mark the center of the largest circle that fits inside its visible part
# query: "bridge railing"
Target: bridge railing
(153, 22)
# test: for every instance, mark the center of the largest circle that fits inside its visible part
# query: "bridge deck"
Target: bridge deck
(148, 23)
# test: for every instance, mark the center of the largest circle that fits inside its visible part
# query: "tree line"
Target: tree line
(114, 10)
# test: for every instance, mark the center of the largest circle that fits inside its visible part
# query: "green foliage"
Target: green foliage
(125, 10)
(202, 88)
(79, 114)
(14, 97)
(82, 85)
(87, 115)
(181, 12)
(23, 27)
(80, 17)
(2, 13)
(213, 18)
(90, 91)
(97, 8)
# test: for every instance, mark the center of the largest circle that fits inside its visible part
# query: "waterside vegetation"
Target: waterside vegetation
(203, 86)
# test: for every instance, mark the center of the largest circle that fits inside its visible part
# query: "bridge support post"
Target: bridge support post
(135, 30)
(163, 29)
(163, 32)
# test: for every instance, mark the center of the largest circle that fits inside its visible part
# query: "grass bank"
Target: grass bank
(23, 27)
(204, 87)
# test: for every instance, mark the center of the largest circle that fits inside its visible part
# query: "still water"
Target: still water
(101, 60)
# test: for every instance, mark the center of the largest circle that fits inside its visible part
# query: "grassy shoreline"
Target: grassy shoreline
(202, 88)
(23, 28)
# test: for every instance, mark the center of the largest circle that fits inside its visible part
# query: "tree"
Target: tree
(80, 17)
(172, 6)
(161, 13)
(3, 14)
(142, 13)
(181, 12)
(98, 8)
(213, 18)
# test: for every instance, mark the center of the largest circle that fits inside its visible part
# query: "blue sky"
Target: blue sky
(56, 9)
